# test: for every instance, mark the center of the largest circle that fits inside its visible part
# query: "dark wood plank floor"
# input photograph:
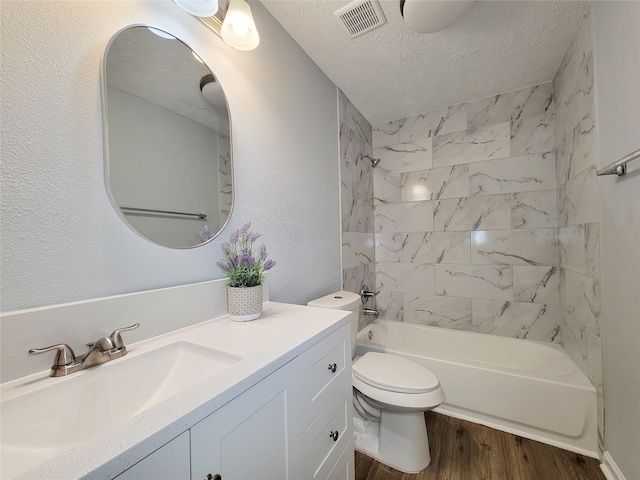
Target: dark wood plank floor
(462, 450)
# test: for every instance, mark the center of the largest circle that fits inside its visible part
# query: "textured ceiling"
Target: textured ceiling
(391, 72)
(162, 71)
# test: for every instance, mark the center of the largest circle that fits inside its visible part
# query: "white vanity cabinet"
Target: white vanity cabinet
(297, 423)
(255, 436)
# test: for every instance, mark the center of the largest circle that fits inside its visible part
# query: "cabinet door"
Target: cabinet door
(170, 462)
(254, 436)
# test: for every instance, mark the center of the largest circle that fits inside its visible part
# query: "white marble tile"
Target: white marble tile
(532, 135)
(356, 179)
(536, 285)
(485, 143)
(573, 83)
(404, 217)
(403, 157)
(533, 209)
(357, 215)
(578, 247)
(357, 249)
(437, 247)
(578, 199)
(405, 277)
(387, 189)
(594, 353)
(430, 124)
(438, 311)
(511, 175)
(580, 301)
(523, 103)
(353, 278)
(225, 177)
(389, 305)
(577, 150)
(351, 116)
(573, 339)
(473, 213)
(389, 246)
(445, 182)
(514, 247)
(519, 320)
(475, 281)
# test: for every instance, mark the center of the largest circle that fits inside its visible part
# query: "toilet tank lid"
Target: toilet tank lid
(341, 300)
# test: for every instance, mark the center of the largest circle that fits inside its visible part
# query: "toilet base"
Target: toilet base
(399, 440)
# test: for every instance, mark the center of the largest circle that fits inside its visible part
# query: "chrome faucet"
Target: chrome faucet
(369, 311)
(103, 350)
(365, 294)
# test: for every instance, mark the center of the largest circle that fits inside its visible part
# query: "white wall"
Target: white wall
(617, 94)
(61, 238)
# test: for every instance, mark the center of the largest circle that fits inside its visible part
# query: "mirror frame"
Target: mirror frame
(105, 138)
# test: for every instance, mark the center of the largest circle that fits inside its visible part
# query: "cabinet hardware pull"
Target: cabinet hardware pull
(334, 435)
(213, 477)
(333, 367)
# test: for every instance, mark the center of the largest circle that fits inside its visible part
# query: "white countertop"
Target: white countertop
(279, 335)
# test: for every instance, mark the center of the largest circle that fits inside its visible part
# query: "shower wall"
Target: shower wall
(577, 207)
(356, 196)
(465, 217)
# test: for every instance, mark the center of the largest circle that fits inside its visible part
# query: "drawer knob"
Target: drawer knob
(334, 435)
(333, 367)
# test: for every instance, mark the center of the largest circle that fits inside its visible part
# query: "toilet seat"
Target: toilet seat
(394, 373)
(396, 383)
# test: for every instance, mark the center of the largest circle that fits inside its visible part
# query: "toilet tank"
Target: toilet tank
(342, 300)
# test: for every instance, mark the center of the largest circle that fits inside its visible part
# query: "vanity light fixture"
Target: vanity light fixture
(212, 92)
(199, 8)
(238, 28)
(161, 33)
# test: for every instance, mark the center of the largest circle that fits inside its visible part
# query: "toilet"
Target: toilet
(390, 396)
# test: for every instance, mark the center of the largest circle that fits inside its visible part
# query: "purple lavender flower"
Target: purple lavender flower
(205, 234)
(263, 252)
(245, 228)
(254, 236)
(234, 236)
(226, 248)
(233, 259)
(223, 266)
(250, 260)
(242, 265)
(268, 265)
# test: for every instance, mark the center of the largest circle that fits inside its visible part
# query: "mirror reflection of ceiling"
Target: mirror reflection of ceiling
(169, 77)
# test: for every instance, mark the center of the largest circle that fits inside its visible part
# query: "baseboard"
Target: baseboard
(610, 469)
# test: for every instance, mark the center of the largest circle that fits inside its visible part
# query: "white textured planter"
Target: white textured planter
(244, 304)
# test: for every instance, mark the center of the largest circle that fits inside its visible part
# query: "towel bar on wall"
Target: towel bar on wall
(125, 210)
(620, 167)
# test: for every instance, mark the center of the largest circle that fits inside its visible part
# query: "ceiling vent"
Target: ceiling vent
(361, 16)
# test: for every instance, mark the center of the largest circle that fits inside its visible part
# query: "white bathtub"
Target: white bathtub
(532, 389)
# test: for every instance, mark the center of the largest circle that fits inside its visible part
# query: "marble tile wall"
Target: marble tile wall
(577, 208)
(356, 194)
(225, 177)
(465, 217)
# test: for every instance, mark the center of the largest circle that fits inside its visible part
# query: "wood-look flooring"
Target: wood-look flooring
(462, 450)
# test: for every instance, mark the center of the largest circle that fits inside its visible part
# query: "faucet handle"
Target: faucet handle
(115, 337)
(64, 355)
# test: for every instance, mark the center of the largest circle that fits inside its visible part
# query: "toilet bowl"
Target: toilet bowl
(391, 394)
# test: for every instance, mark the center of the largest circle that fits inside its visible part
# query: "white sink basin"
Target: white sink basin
(52, 415)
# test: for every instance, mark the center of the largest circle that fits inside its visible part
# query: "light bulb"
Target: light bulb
(240, 28)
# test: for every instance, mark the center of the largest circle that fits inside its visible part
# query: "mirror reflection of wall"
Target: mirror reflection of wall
(168, 149)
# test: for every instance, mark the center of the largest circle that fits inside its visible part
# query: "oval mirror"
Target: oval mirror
(167, 139)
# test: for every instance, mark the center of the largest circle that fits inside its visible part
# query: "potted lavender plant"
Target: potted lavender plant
(244, 269)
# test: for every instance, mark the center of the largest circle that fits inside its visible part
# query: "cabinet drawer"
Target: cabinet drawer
(328, 435)
(319, 382)
(345, 468)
